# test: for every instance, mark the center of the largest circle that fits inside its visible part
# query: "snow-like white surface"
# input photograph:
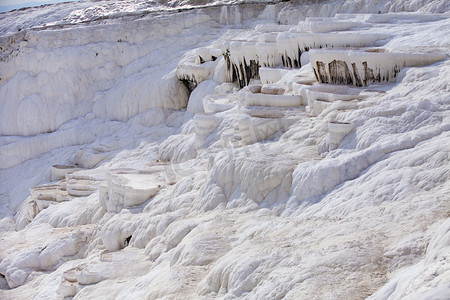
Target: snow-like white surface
(118, 181)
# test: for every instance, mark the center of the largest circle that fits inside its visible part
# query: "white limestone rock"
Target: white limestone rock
(128, 189)
(194, 73)
(291, 45)
(217, 103)
(60, 171)
(251, 99)
(272, 89)
(327, 25)
(204, 126)
(271, 75)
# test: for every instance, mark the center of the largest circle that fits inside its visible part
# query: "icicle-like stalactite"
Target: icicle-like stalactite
(243, 58)
(362, 68)
(244, 61)
(191, 75)
(291, 45)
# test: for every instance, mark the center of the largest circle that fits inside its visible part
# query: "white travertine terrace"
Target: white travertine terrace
(130, 189)
(321, 25)
(271, 75)
(259, 99)
(161, 150)
(204, 126)
(361, 68)
(336, 132)
(217, 103)
(291, 45)
(329, 93)
(192, 72)
(60, 171)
